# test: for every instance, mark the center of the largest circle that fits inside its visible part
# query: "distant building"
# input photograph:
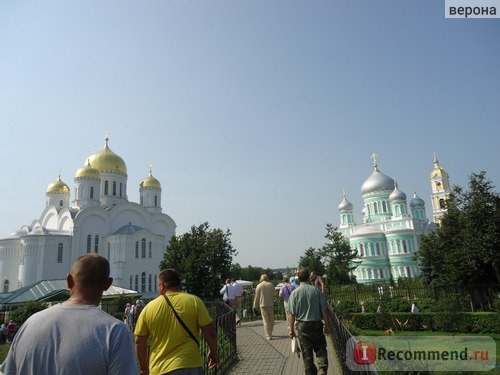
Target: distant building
(388, 238)
(100, 219)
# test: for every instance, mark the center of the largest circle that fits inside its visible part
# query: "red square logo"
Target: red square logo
(365, 353)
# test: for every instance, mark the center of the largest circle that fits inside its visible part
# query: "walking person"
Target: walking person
(239, 293)
(307, 307)
(74, 337)
(285, 292)
(228, 293)
(170, 325)
(264, 299)
(317, 281)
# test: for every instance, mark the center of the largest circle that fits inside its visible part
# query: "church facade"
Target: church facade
(388, 238)
(99, 219)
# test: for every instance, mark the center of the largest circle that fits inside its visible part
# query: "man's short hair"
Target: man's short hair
(170, 278)
(90, 270)
(264, 277)
(303, 274)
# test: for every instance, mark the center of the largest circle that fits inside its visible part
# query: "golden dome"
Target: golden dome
(107, 160)
(438, 172)
(58, 187)
(87, 171)
(150, 182)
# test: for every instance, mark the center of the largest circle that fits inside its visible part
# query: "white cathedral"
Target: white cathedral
(388, 238)
(100, 219)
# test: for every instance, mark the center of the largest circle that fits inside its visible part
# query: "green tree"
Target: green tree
(337, 255)
(465, 248)
(236, 271)
(203, 257)
(312, 260)
(21, 314)
(251, 273)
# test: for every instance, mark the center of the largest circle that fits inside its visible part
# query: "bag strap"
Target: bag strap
(181, 321)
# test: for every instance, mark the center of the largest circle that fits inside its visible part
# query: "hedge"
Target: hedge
(459, 322)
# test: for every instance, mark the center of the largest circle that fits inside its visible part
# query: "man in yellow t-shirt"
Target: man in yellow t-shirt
(171, 347)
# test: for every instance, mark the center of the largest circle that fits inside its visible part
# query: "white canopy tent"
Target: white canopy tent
(244, 283)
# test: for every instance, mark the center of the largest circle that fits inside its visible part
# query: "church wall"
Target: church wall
(10, 257)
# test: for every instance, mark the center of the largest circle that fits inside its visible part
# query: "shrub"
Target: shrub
(398, 305)
(21, 314)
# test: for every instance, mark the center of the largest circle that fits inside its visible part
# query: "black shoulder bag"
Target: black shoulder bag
(181, 321)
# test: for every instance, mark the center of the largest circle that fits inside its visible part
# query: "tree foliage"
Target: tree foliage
(465, 248)
(334, 259)
(337, 256)
(21, 314)
(203, 257)
(312, 261)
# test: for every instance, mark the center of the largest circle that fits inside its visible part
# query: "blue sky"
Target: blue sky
(254, 114)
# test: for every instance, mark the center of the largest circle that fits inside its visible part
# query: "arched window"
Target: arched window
(96, 244)
(377, 247)
(150, 283)
(131, 281)
(361, 250)
(155, 284)
(60, 252)
(6, 286)
(106, 187)
(442, 204)
(121, 189)
(91, 192)
(143, 248)
(143, 282)
(136, 249)
(156, 200)
(136, 282)
(381, 273)
(150, 249)
(114, 188)
(405, 247)
(375, 207)
(61, 203)
(384, 206)
(89, 243)
(407, 271)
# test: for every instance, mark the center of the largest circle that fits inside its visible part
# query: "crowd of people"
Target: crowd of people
(166, 331)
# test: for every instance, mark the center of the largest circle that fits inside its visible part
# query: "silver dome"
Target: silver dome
(416, 201)
(397, 195)
(377, 182)
(345, 205)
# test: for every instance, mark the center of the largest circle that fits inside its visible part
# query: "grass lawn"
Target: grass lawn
(4, 349)
(495, 337)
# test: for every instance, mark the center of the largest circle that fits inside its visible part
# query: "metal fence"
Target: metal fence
(225, 328)
(341, 338)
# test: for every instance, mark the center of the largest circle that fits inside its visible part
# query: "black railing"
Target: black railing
(343, 343)
(225, 328)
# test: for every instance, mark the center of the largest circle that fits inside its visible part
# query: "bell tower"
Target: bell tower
(440, 186)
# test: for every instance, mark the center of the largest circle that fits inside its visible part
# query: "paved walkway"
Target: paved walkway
(258, 356)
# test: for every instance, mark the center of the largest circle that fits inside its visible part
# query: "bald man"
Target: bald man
(75, 337)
